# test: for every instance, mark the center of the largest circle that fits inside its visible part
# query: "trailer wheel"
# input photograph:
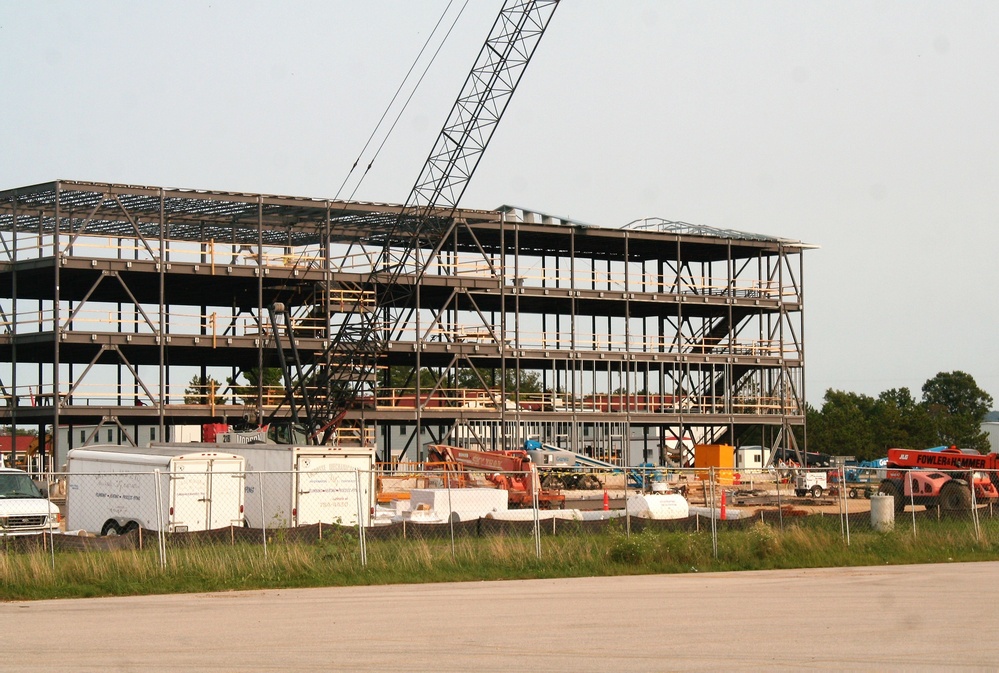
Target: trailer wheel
(816, 491)
(110, 527)
(954, 497)
(129, 527)
(853, 494)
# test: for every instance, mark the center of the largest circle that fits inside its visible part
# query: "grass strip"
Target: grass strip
(335, 560)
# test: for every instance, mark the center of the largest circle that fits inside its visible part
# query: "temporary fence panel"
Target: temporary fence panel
(721, 505)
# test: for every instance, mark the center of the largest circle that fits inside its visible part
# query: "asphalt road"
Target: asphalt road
(904, 618)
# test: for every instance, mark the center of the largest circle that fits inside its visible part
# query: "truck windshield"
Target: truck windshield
(17, 485)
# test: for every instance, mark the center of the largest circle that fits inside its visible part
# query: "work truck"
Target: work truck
(23, 508)
(941, 477)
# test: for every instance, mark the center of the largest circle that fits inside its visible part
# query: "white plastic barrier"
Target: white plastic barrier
(716, 512)
(463, 504)
(543, 515)
(882, 512)
(658, 506)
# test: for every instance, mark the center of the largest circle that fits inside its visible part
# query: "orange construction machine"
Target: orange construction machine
(940, 477)
(511, 470)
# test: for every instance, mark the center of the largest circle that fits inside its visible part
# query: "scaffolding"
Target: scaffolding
(134, 306)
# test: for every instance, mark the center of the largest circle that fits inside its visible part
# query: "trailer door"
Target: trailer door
(327, 490)
(225, 493)
(190, 497)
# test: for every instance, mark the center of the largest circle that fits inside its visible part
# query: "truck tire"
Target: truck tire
(110, 527)
(891, 488)
(816, 491)
(954, 497)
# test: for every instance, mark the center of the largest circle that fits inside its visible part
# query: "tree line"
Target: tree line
(950, 412)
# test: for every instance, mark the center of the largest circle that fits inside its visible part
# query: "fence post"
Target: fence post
(450, 513)
(263, 519)
(535, 503)
(780, 508)
(714, 517)
(840, 502)
(846, 502)
(974, 507)
(160, 534)
(361, 533)
(912, 501)
(992, 478)
(627, 512)
(48, 491)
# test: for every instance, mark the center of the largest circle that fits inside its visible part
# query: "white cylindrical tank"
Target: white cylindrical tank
(882, 512)
(658, 506)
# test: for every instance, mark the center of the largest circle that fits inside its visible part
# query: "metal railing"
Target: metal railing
(217, 257)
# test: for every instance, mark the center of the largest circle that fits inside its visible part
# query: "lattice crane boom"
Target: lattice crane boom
(346, 371)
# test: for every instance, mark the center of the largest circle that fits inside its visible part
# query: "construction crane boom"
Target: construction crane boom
(346, 370)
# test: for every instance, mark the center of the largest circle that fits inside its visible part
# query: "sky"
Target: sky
(865, 127)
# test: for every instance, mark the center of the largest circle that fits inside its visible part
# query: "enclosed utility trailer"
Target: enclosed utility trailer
(110, 491)
(291, 485)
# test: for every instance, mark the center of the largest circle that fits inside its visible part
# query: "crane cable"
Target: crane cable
(396, 95)
(402, 84)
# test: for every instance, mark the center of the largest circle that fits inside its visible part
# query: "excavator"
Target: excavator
(942, 477)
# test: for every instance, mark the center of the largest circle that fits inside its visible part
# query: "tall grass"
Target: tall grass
(335, 560)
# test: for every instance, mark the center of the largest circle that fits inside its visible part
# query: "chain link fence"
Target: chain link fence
(204, 505)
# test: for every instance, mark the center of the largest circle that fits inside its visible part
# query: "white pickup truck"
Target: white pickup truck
(23, 508)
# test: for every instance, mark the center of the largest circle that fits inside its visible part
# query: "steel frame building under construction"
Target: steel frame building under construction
(128, 307)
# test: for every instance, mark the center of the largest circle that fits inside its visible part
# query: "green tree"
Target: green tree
(956, 407)
(530, 382)
(843, 426)
(898, 421)
(199, 390)
(403, 379)
(6, 431)
(270, 383)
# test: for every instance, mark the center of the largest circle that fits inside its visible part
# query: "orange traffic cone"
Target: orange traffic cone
(606, 501)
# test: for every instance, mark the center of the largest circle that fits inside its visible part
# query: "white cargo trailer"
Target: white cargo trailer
(111, 491)
(291, 485)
